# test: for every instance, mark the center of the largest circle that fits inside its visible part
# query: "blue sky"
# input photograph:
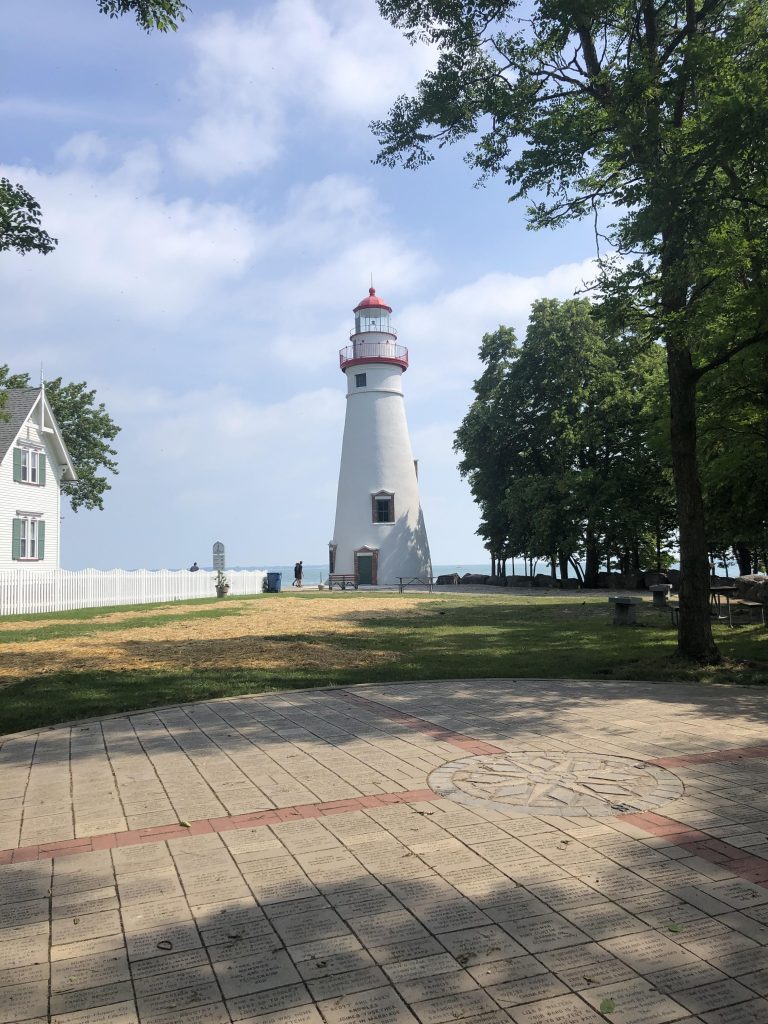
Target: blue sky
(219, 216)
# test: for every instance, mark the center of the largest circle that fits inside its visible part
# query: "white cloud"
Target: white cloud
(446, 331)
(125, 249)
(261, 79)
(83, 148)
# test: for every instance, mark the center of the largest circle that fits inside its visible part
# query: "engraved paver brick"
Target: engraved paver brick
(275, 1000)
(561, 1010)
(714, 996)
(636, 1003)
(82, 999)
(648, 952)
(243, 976)
(378, 1006)
(480, 945)
(527, 990)
(454, 1007)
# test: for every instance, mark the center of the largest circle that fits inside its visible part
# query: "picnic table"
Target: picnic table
(416, 581)
(716, 595)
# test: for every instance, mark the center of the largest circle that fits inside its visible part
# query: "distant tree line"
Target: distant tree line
(566, 449)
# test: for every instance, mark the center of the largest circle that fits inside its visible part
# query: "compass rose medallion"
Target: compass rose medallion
(564, 783)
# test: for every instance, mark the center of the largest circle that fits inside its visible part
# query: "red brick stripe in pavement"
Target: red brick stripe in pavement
(731, 754)
(700, 844)
(754, 869)
(159, 833)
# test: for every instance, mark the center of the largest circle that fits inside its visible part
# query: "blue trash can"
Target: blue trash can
(274, 580)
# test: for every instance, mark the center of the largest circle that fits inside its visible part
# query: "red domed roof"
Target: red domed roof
(372, 301)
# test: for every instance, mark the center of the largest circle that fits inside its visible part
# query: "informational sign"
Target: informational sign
(218, 556)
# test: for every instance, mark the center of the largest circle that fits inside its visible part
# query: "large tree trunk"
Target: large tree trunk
(743, 558)
(591, 567)
(694, 637)
(563, 559)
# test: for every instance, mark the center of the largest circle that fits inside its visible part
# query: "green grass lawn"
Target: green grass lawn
(437, 637)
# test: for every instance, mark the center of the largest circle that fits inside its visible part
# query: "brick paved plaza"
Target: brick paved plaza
(542, 852)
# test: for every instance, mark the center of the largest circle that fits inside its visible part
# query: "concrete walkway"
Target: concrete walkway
(483, 851)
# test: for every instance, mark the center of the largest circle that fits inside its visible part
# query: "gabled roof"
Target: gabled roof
(19, 405)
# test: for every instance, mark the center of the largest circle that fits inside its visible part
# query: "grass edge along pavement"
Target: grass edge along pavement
(446, 636)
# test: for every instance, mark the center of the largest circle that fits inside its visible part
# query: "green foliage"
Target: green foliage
(558, 445)
(20, 221)
(733, 432)
(159, 15)
(656, 109)
(87, 429)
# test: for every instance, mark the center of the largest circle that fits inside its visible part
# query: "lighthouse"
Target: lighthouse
(379, 532)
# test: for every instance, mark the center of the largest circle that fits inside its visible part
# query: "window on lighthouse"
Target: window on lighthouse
(360, 380)
(383, 508)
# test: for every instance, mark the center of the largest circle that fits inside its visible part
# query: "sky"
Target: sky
(219, 215)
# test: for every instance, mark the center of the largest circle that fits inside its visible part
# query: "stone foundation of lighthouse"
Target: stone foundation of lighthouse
(379, 533)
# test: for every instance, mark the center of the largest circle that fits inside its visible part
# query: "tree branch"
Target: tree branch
(729, 353)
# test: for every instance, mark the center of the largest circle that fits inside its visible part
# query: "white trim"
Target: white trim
(63, 451)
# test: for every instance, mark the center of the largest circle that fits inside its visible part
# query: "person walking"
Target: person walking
(298, 572)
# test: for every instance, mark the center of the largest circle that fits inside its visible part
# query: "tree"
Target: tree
(485, 461)
(87, 429)
(734, 449)
(20, 215)
(558, 444)
(657, 108)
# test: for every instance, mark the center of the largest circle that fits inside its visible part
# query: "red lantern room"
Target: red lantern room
(373, 337)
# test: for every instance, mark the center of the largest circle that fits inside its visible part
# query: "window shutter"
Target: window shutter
(17, 464)
(16, 542)
(41, 470)
(40, 540)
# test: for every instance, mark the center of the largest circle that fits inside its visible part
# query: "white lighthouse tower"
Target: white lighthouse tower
(379, 532)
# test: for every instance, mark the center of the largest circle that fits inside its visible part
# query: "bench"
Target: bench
(660, 594)
(733, 606)
(750, 607)
(342, 580)
(624, 610)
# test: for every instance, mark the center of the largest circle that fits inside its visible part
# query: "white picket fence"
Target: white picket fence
(23, 592)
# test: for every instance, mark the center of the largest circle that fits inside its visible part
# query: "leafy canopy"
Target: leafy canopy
(558, 445)
(654, 110)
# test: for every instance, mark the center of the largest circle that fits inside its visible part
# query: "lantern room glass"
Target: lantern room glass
(373, 319)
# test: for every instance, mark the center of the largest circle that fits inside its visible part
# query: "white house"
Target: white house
(33, 462)
(379, 533)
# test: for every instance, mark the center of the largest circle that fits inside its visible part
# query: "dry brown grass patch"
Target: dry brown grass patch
(285, 633)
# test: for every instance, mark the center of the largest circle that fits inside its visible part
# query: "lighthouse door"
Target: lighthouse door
(365, 568)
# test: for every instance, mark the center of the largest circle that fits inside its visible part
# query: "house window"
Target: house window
(29, 466)
(383, 507)
(360, 380)
(28, 539)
